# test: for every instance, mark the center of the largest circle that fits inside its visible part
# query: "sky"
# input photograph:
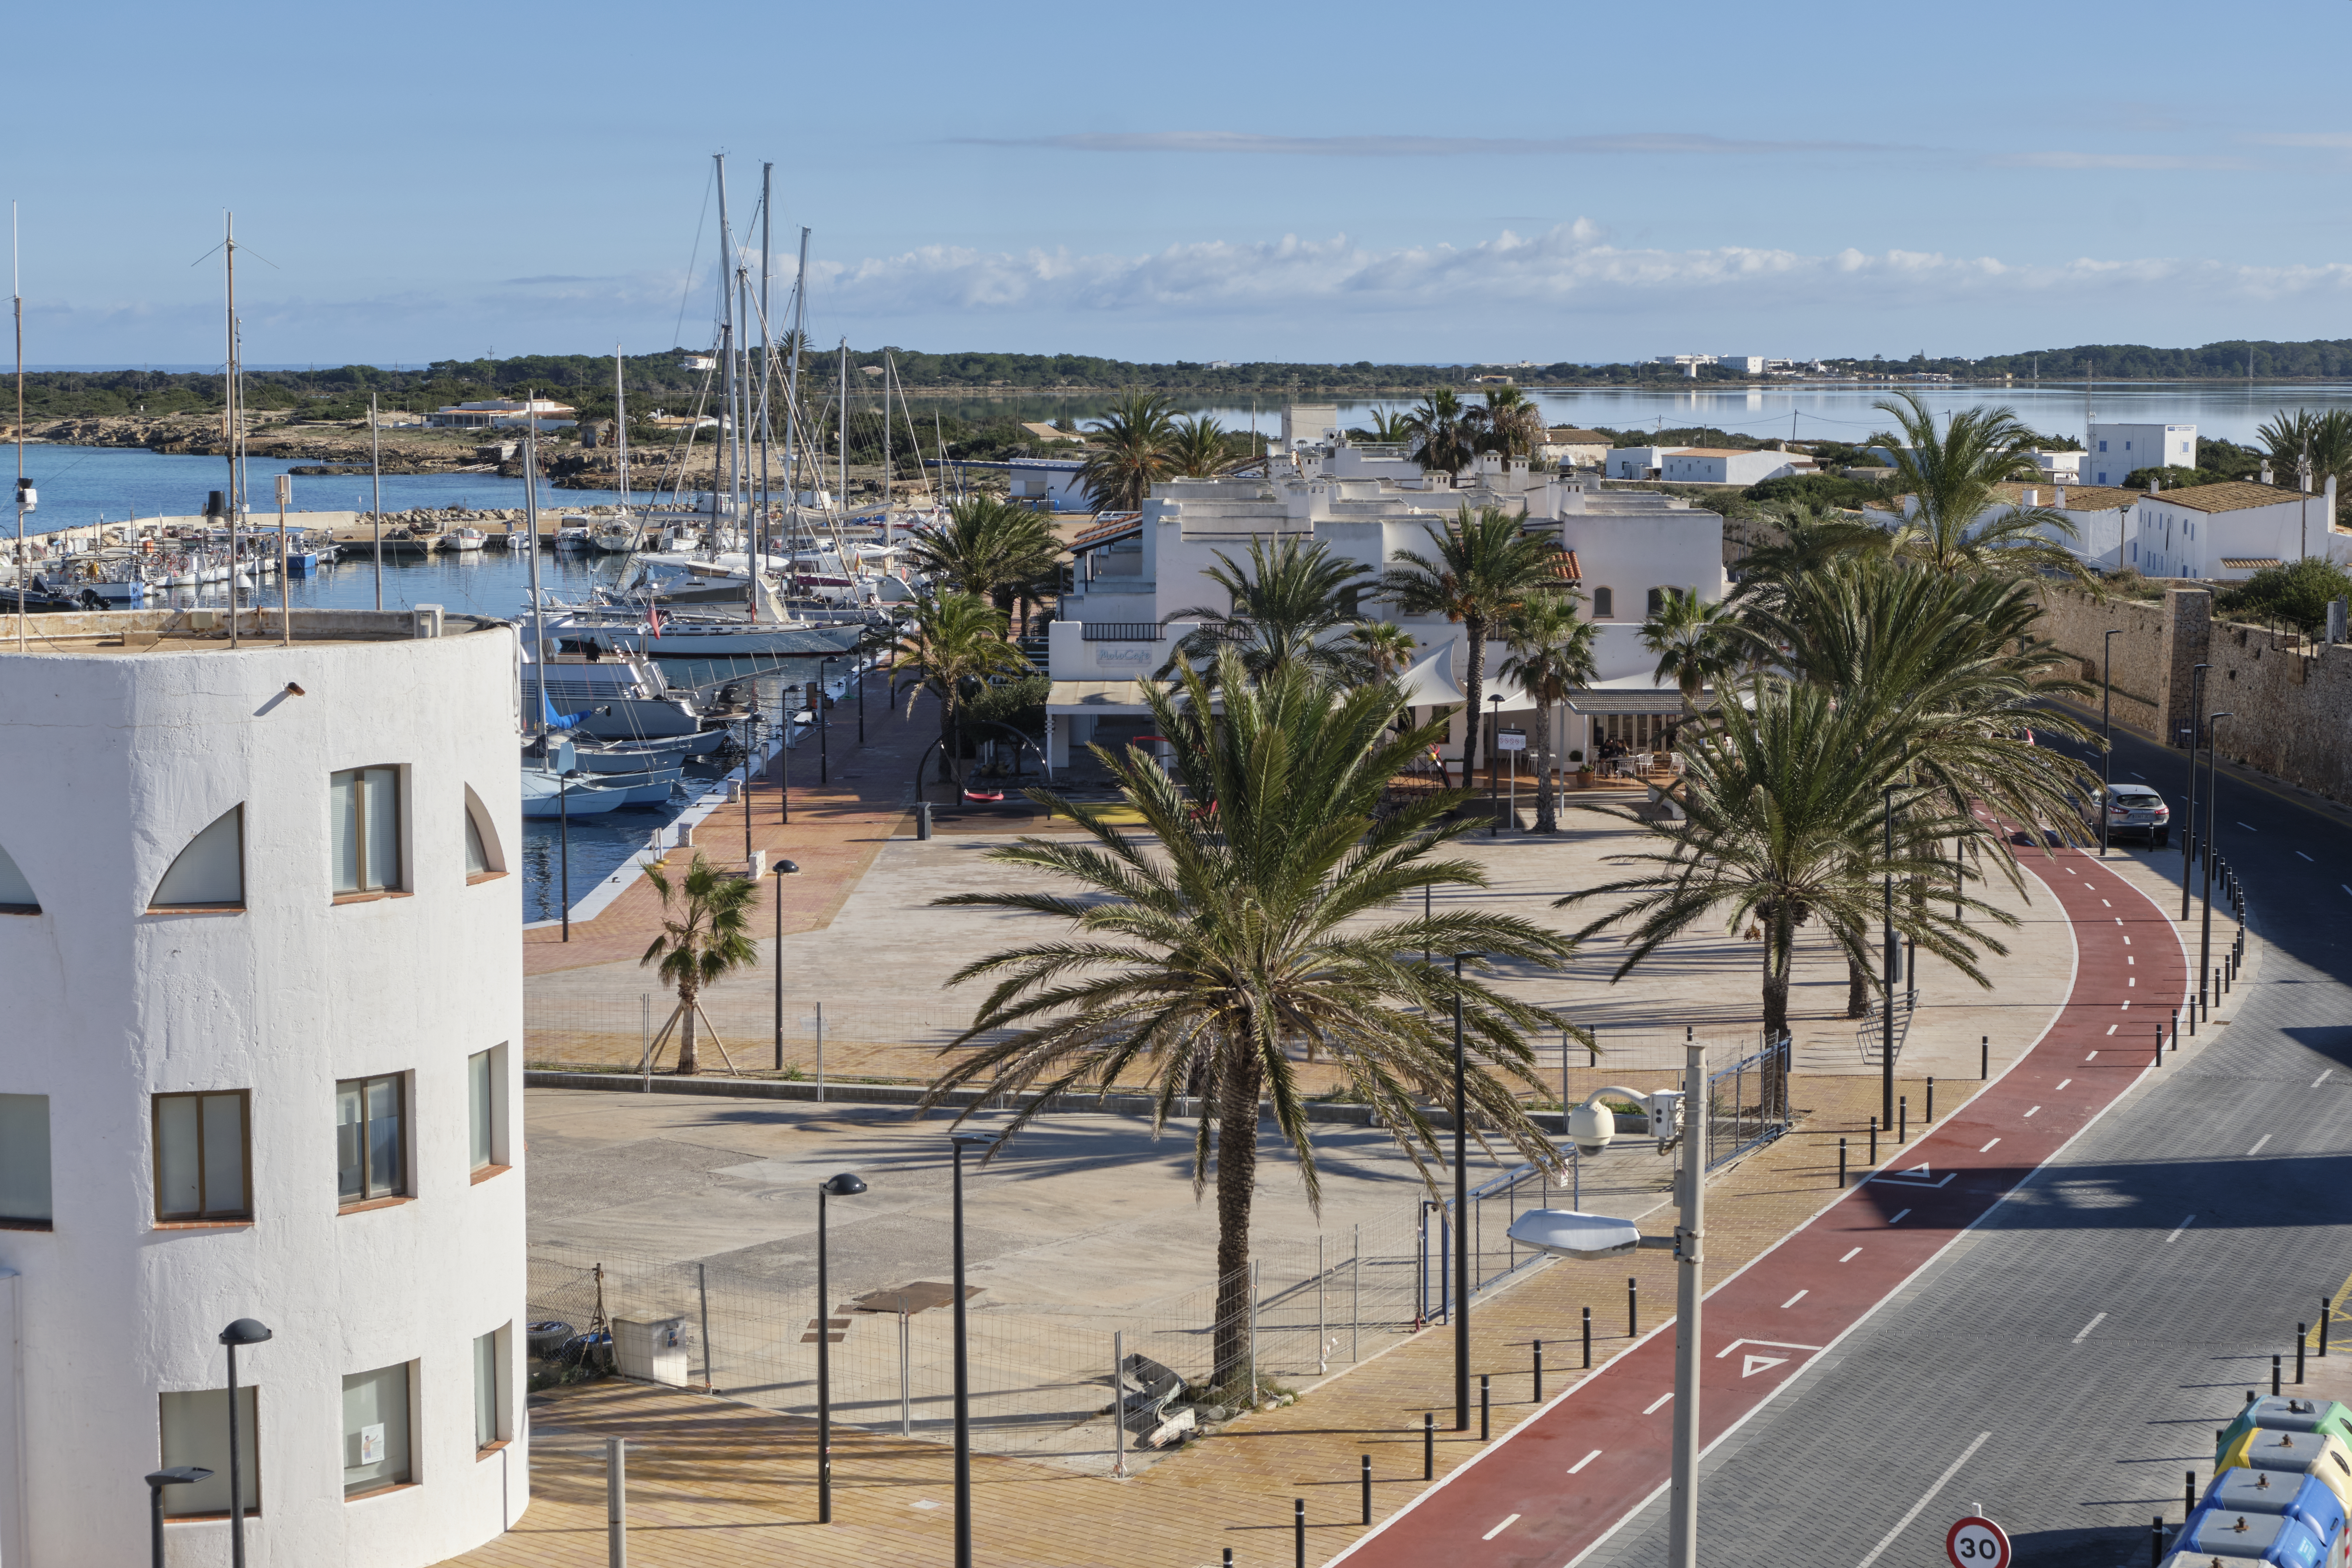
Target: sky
(1373, 181)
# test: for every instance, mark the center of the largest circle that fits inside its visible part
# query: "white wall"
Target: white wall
(109, 1005)
(2115, 450)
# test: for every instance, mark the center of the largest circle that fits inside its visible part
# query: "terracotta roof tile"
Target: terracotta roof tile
(2230, 495)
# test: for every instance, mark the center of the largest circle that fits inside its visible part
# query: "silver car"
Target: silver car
(2133, 811)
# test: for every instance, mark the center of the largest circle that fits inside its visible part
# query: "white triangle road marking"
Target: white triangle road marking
(1751, 1365)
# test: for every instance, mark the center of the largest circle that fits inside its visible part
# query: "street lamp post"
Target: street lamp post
(962, 1374)
(563, 850)
(846, 1185)
(244, 1332)
(177, 1475)
(1461, 1308)
(2106, 733)
(2189, 820)
(864, 663)
(783, 869)
(2205, 923)
(1892, 967)
(751, 742)
(1493, 796)
(824, 725)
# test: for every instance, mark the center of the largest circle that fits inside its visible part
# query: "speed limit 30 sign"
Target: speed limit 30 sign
(1977, 1543)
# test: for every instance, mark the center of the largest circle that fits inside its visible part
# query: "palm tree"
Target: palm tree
(1950, 476)
(1128, 451)
(1510, 423)
(2311, 448)
(951, 646)
(1196, 448)
(1283, 608)
(1484, 566)
(1384, 647)
(704, 937)
(1695, 642)
(1551, 655)
(1441, 427)
(1385, 426)
(1785, 822)
(1255, 931)
(990, 547)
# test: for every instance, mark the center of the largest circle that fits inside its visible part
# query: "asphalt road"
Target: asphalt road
(2062, 1365)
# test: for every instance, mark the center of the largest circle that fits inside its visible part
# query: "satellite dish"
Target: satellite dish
(1574, 1234)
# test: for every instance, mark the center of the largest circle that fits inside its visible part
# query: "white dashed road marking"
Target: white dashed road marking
(1499, 1530)
(1584, 1461)
(1848, 1256)
(2176, 1229)
(2094, 1323)
(1658, 1400)
(1898, 1218)
(1795, 1299)
(2258, 1145)
(2321, 1079)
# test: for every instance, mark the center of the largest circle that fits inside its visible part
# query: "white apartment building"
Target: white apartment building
(2226, 532)
(257, 940)
(1135, 573)
(1730, 466)
(2115, 452)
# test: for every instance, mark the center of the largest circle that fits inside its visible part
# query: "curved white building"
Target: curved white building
(260, 1057)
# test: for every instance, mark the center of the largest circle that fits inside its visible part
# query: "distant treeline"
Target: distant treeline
(585, 381)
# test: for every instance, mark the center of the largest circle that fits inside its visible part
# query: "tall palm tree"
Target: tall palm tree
(1196, 448)
(1695, 642)
(990, 547)
(951, 646)
(1950, 476)
(1384, 647)
(1208, 964)
(1283, 609)
(1128, 451)
(1551, 655)
(1510, 423)
(1441, 427)
(2310, 449)
(704, 937)
(1483, 566)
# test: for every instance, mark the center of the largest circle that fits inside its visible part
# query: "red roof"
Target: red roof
(1110, 526)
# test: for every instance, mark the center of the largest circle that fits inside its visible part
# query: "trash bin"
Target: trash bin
(2288, 1412)
(2298, 1453)
(2269, 1491)
(2266, 1536)
(654, 1352)
(922, 819)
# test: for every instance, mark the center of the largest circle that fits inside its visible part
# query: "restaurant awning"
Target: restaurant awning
(1097, 697)
(1606, 699)
(1430, 682)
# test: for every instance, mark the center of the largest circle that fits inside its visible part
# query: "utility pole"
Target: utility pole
(1893, 969)
(1681, 1511)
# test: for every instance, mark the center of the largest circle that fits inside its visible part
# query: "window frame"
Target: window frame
(406, 1189)
(398, 886)
(497, 1159)
(374, 1486)
(48, 1171)
(491, 1399)
(155, 905)
(249, 1446)
(477, 823)
(202, 1215)
(1604, 603)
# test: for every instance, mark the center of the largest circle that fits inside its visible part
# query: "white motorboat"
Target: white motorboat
(463, 539)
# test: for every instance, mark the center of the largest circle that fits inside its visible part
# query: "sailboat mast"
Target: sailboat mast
(793, 408)
(17, 289)
(725, 348)
(235, 492)
(766, 348)
(620, 428)
(538, 602)
(842, 506)
(375, 482)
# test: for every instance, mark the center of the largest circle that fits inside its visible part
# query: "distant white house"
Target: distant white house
(1688, 363)
(2060, 467)
(1574, 449)
(1636, 462)
(2101, 515)
(2226, 532)
(1049, 484)
(504, 413)
(1731, 466)
(2116, 451)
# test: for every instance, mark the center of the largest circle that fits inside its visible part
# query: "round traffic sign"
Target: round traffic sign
(1977, 1543)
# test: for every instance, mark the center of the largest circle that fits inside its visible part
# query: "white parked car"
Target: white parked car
(2133, 811)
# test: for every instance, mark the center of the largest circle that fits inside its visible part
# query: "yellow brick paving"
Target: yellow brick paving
(716, 1482)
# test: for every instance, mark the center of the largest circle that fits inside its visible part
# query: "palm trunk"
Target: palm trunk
(948, 741)
(1779, 941)
(688, 1064)
(1547, 817)
(1236, 1183)
(1473, 687)
(1857, 989)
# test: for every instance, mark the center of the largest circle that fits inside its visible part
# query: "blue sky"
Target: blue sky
(1368, 181)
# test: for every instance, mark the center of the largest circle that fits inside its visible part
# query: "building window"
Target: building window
(1658, 600)
(25, 1160)
(368, 1153)
(375, 1430)
(1604, 604)
(194, 1430)
(486, 1104)
(485, 1389)
(210, 872)
(203, 1162)
(17, 896)
(2103, 446)
(367, 830)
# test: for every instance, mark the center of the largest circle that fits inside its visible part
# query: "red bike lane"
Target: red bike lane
(1560, 1483)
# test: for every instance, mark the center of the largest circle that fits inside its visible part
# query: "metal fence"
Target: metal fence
(1747, 1102)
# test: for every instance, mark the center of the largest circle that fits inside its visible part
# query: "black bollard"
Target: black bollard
(2160, 1046)
(2176, 1028)
(2324, 1313)
(2274, 1375)
(1428, 1447)
(1298, 1533)
(1633, 1308)
(1984, 1056)
(1931, 1102)
(1538, 1383)
(1903, 1119)
(1228, 1557)
(1368, 1489)
(2155, 1544)
(1841, 1164)
(1588, 1338)
(1873, 1143)
(2301, 1332)
(2189, 1494)
(1485, 1401)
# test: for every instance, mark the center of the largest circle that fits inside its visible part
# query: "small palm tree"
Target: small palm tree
(1253, 934)
(704, 937)
(2307, 449)
(988, 547)
(951, 646)
(1485, 565)
(1197, 448)
(1129, 452)
(1951, 475)
(1510, 423)
(1384, 647)
(1551, 655)
(1383, 425)
(1284, 606)
(1695, 642)
(1441, 427)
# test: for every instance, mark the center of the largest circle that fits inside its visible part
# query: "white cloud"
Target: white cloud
(2114, 161)
(1635, 142)
(2329, 139)
(1569, 267)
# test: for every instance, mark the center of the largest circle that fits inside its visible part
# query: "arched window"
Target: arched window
(1604, 604)
(1658, 599)
(15, 893)
(485, 858)
(210, 872)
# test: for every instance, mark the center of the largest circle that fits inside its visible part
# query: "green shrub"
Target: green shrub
(2295, 594)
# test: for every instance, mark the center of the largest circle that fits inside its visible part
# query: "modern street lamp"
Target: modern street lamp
(563, 852)
(2205, 923)
(1461, 1306)
(751, 741)
(824, 725)
(962, 1371)
(1494, 797)
(1893, 968)
(2188, 822)
(2106, 733)
(783, 870)
(847, 1185)
(177, 1475)
(244, 1332)
(1591, 1126)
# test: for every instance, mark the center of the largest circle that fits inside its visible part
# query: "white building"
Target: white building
(2058, 467)
(1574, 449)
(2102, 516)
(1626, 549)
(1688, 363)
(2116, 451)
(1636, 462)
(504, 413)
(1731, 466)
(2226, 532)
(258, 946)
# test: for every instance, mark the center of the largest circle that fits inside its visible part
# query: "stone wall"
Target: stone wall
(2290, 699)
